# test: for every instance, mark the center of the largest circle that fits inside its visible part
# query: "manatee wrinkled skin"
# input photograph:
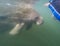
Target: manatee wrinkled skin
(25, 13)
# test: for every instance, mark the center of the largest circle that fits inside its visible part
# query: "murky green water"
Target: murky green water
(47, 34)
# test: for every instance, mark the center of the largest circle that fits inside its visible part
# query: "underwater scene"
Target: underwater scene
(28, 23)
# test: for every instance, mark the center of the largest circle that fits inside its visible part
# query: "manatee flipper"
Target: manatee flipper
(16, 29)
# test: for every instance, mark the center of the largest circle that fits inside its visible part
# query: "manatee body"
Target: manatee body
(25, 12)
(25, 15)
